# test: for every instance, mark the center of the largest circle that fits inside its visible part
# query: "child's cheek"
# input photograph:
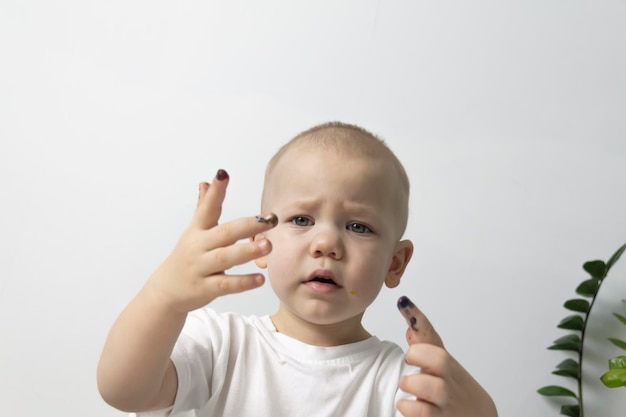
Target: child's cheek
(363, 291)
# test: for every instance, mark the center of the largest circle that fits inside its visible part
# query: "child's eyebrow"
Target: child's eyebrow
(362, 210)
(351, 207)
(305, 205)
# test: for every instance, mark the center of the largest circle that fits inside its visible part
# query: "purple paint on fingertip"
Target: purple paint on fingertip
(221, 175)
(268, 218)
(404, 302)
(404, 305)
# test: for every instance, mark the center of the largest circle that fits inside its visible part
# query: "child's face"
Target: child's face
(336, 241)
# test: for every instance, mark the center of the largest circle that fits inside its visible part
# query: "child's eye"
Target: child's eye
(358, 228)
(301, 221)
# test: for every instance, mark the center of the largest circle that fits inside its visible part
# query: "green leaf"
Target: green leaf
(566, 374)
(618, 362)
(568, 368)
(617, 342)
(577, 304)
(570, 410)
(588, 288)
(596, 269)
(569, 342)
(555, 391)
(620, 317)
(574, 322)
(615, 257)
(614, 378)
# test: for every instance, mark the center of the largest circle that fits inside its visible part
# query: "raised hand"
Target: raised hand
(135, 372)
(193, 274)
(443, 388)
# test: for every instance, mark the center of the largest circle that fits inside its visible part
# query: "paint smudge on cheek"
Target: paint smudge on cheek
(353, 293)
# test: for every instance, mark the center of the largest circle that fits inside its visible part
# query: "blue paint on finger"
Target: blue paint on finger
(404, 302)
(404, 305)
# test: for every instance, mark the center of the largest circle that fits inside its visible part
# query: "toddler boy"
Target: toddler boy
(335, 204)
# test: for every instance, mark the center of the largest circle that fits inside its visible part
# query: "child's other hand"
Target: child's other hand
(193, 274)
(443, 387)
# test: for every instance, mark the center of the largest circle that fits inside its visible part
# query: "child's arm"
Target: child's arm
(443, 387)
(135, 372)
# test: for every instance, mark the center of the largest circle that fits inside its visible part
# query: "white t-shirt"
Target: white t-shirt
(232, 365)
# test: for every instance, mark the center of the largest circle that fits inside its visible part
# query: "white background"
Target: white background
(509, 117)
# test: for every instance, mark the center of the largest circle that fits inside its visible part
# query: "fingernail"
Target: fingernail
(267, 218)
(404, 302)
(221, 175)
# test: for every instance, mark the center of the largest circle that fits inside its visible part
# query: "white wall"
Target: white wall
(509, 116)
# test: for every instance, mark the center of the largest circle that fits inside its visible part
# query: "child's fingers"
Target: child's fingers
(203, 187)
(426, 387)
(431, 359)
(224, 258)
(227, 234)
(431, 385)
(209, 207)
(231, 284)
(420, 330)
(430, 388)
(443, 387)
(417, 408)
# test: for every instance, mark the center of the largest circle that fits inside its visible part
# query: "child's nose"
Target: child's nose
(327, 242)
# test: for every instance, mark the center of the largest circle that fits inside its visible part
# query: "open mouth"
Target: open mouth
(323, 280)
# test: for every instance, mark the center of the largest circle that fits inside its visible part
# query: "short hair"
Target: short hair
(349, 139)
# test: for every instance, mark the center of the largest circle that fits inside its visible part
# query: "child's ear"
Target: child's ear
(401, 258)
(262, 261)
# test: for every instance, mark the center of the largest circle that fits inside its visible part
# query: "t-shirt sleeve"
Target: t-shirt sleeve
(199, 347)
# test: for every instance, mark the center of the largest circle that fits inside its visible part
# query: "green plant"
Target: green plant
(616, 375)
(574, 341)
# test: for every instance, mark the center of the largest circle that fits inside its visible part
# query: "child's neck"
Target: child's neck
(334, 334)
